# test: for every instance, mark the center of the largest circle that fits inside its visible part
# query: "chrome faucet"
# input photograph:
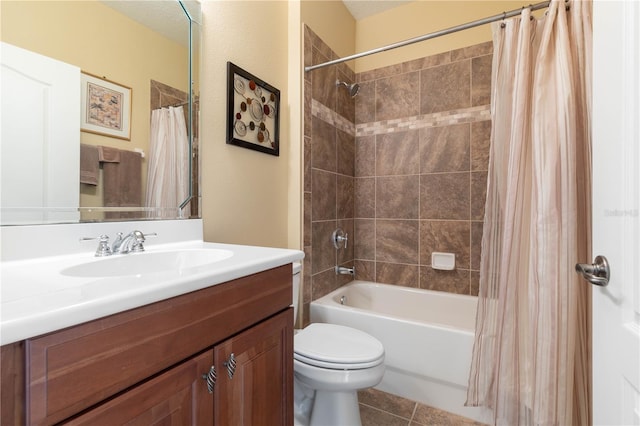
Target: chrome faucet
(133, 242)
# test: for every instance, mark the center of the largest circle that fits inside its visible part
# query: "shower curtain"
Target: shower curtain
(168, 176)
(531, 357)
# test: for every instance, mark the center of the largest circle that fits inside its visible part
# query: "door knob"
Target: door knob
(597, 273)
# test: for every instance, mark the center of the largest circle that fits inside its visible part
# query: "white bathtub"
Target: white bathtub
(427, 336)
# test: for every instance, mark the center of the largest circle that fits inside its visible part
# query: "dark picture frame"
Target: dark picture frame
(253, 112)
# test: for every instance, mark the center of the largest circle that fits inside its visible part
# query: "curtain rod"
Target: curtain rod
(503, 15)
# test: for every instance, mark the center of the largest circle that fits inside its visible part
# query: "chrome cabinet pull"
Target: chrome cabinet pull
(231, 366)
(210, 378)
(597, 273)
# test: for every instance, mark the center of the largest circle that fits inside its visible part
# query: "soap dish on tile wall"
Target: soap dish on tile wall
(443, 261)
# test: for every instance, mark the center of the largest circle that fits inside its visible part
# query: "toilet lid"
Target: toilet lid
(337, 347)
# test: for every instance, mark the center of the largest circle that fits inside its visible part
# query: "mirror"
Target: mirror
(148, 49)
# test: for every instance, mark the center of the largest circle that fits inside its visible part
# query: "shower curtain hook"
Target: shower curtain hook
(531, 18)
(504, 16)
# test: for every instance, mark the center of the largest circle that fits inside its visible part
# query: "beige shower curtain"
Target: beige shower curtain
(169, 173)
(531, 357)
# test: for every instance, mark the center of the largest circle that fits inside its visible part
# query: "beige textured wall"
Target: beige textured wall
(244, 192)
(422, 17)
(295, 77)
(333, 23)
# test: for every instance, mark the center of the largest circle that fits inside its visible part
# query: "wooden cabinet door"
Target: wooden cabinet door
(177, 397)
(260, 391)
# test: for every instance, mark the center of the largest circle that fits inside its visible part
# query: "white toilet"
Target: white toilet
(331, 363)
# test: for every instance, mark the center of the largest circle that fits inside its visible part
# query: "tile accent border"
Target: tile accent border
(445, 118)
(331, 117)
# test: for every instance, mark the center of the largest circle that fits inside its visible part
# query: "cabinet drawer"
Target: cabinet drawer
(73, 369)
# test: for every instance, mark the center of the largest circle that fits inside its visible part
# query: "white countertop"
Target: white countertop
(36, 298)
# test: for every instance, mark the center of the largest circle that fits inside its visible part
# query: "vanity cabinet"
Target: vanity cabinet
(176, 397)
(149, 365)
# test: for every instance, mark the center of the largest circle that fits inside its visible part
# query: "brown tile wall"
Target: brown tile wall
(329, 167)
(422, 140)
(402, 169)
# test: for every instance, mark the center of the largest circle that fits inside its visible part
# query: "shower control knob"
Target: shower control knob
(339, 238)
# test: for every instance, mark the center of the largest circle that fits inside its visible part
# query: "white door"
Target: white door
(40, 145)
(616, 211)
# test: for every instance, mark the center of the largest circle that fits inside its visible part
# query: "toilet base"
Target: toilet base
(335, 408)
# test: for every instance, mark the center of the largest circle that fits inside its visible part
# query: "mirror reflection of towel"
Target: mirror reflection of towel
(123, 182)
(108, 155)
(89, 164)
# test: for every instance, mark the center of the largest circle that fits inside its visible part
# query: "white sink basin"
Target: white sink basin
(148, 263)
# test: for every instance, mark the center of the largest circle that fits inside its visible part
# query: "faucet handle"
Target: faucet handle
(103, 245)
(140, 238)
(339, 238)
(137, 238)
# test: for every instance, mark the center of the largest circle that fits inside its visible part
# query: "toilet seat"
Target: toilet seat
(337, 347)
(336, 365)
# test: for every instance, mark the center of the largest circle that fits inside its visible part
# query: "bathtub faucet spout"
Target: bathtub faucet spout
(341, 270)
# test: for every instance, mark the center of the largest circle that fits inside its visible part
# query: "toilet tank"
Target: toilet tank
(297, 268)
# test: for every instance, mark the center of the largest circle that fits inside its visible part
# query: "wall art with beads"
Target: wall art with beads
(252, 112)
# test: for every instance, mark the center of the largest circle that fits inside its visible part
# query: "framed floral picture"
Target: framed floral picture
(253, 108)
(105, 107)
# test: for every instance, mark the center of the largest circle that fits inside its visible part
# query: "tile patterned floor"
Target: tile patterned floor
(382, 409)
